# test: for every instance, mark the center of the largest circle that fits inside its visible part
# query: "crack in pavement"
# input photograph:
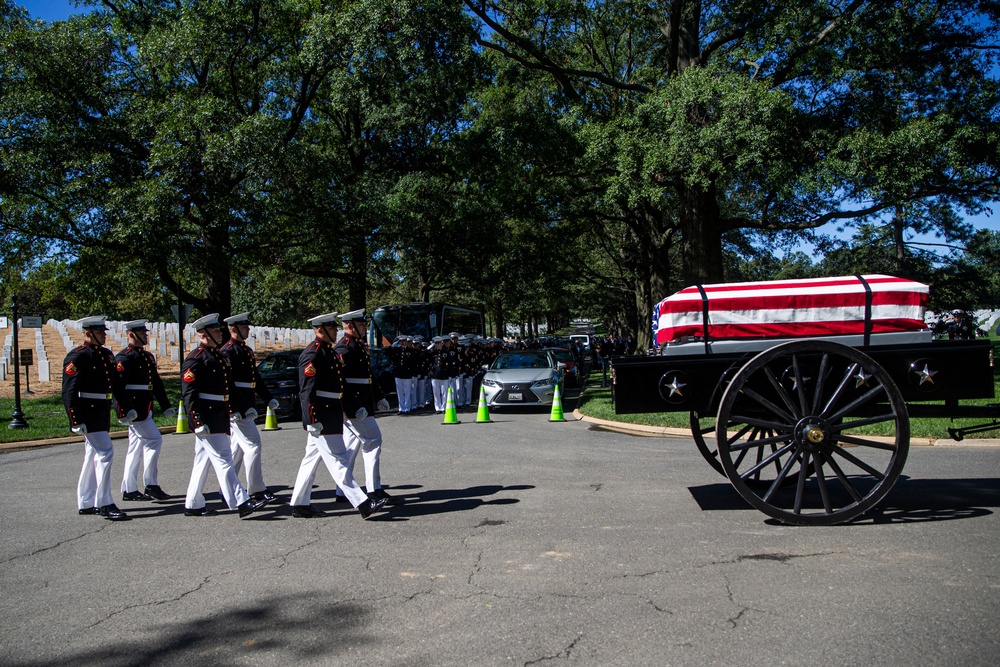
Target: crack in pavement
(564, 653)
(157, 603)
(284, 557)
(475, 568)
(56, 545)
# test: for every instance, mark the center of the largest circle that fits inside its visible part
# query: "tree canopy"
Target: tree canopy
(536, 159)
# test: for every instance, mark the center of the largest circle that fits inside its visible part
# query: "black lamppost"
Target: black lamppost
(17, 420)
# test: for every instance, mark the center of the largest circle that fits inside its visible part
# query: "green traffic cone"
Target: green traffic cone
(450, 414)
(484, 414)
(182, 420)
(557, 411)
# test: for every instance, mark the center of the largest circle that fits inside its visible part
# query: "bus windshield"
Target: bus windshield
(422, 319)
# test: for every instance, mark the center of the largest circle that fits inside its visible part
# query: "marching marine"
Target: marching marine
(321, 388)
(245, 384)
(88, 383)
(361, 398)
(136, 367)
(204, 383)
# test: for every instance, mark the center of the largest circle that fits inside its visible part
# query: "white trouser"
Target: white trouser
(94, 487)
(440, 388)
(213, 450)
(365, 435)
(456, 388)
(466, 389)
(404, 390)
(331, 449)
(415, 403)
(245, 441)
(144, 442)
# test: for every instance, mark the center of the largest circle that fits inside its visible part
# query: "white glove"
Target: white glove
(202, 430)
(235, 417)
(361, 413)
(170, 413)
(315, 428)
(251, 414)
(81, 429)
(273, 404)
(382, 405)
(129, 417)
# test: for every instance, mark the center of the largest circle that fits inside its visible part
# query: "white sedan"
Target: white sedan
(522, 377)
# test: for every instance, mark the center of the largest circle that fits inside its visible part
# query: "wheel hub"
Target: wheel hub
(812, 433)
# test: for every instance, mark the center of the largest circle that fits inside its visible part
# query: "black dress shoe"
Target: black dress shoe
(340, 499)
(305, 511)
(90, 510)
(369, 507)
(380, 494)
(135, 495)
(263, 497)
(249, 506)
(156, 493)
(112, 513)
(201, 511)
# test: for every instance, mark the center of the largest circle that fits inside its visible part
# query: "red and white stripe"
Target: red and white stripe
(794, 308)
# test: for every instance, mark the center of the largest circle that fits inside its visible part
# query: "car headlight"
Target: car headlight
(547, 382)
(490, 383)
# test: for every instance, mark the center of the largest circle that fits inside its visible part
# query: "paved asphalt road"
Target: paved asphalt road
(522, 542)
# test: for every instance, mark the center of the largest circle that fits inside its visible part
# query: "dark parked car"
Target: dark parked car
(280, 371)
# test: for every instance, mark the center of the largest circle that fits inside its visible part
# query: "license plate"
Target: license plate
(514, 396)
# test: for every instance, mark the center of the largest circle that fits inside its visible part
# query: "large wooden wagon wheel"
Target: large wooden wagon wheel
(815, 396)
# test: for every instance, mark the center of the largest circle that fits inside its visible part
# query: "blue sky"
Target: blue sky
(54, 10)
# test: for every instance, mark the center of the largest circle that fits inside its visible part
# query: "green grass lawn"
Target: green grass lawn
(47, 418)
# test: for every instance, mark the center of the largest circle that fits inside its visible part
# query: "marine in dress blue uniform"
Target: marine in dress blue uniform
(245, 384)
(362, 397)
(136, 367)
(89, 381)
(204, 383)
(321, 389)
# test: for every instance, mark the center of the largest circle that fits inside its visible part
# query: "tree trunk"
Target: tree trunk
(701, 236)
(357, 286)
(218, 273)
(898, 227)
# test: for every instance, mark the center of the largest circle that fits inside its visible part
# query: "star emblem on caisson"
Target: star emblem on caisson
(795, 381)
(926, 374)
(675, 387)
(861, 379)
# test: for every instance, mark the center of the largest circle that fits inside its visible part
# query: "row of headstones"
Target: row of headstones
(41, 360)
(985, 319)
(164, 337)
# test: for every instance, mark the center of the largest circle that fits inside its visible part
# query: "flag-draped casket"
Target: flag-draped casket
(792, 308)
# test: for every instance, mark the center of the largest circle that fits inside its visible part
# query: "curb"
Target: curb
(671, 432)
(51, 442)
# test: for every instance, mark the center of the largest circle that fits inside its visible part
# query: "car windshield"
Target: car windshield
(562, 355)
(277, 363)
(521, 360)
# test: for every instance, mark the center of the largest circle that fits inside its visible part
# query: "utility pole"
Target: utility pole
(17, 418)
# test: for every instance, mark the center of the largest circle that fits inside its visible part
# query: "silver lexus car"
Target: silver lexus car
(522, 377)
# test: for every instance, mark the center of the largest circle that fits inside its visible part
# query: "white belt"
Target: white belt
(213, 397)
(328, 394)
(245, 385)
(357, 381)
(96, 397)
(139, 387)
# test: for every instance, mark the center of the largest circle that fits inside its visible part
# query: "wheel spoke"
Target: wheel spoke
(820, 381)
(854, 440)
(858, 462)
(761, 423)
(835, 396)
(800, 487)
(780, 479)
(878, 419)
(867, 397)
(774, 409)
(800, 384)
(843, 478)
(780, 391)
(821, 482)
(765, 462)
(757, 443)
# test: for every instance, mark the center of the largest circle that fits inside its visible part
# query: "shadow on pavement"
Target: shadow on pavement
(911, 500)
